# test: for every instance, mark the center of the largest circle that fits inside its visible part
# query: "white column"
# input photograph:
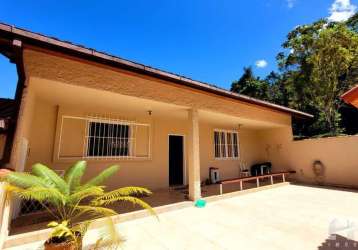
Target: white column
(194, 156)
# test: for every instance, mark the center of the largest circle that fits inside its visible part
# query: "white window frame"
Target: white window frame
(226, 157)
(105, 119)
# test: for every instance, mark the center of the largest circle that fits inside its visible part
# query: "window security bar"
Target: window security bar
(105, 137)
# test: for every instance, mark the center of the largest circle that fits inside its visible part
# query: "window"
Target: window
(98, 137)
(226, 144)
(108, 139)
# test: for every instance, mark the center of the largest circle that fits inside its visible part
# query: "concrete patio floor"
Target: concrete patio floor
(285, 217)
(39, 220)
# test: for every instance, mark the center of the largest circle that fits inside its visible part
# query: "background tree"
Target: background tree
(321, 59)
(319, 62)
(250, 85)
(335, 53)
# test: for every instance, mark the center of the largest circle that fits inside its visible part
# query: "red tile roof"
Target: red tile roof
(351, 96)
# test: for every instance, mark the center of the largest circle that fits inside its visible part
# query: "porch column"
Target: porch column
(194, 156)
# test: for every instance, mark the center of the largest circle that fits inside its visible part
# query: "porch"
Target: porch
(210, 138)
(162, 200)
(63, 123)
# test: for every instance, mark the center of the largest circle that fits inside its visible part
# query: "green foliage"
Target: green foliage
(25, 180)
(318, 64)
(74, 174)
(335, 51)
(109, 238)
(70, 201)
(50, 176)
(101, 177)
(61, 230)
(250, 85)
(352, 23)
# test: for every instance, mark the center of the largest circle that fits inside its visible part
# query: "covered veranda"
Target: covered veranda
(58, 143)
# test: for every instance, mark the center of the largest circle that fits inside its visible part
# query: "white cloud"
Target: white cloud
(290, 3)
(341, 10)
(261, 63)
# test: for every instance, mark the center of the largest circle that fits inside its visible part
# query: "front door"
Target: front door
(176, 161)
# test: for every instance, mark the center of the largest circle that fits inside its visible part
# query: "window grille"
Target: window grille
(108, 139)
(226, 144)
(103, 138)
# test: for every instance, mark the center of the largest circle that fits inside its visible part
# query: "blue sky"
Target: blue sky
(207, 40)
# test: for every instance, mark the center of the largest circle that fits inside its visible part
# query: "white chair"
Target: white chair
(244, 171)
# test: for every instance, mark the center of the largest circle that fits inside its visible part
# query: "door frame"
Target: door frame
(184, 155)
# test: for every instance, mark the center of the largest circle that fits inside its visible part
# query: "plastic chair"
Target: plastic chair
(244, 171)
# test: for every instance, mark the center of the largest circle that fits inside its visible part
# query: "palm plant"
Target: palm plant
(68, 200)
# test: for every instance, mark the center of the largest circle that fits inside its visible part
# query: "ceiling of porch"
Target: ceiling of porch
(71, 95)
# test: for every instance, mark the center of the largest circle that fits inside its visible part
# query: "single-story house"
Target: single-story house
(161, 128)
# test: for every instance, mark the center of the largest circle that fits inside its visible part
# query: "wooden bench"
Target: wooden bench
(257, 178)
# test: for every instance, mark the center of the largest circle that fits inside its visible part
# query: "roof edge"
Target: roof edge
(347, 96)
(52, 43)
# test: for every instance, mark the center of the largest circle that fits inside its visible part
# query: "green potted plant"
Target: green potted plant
(72, 203)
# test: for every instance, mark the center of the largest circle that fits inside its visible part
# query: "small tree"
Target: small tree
(335, 52)
(72, 203)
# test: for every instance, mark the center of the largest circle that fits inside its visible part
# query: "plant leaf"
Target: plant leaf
(25, 180)
(82, 227)
(127, 191)
(106, 200)
(95, 211)
(42, 194)
(92, 191)
(100, 178)
(52, 224)
(109, 237)
(74, 174)
(49, 175)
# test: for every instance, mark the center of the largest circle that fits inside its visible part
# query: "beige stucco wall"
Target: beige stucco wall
(250, 151)
(338, 154)
(23, 130)
(153, 172)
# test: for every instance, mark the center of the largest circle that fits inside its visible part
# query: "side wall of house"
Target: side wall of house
(339, 156)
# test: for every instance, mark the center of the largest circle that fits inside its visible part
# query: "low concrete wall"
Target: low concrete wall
(339, 156)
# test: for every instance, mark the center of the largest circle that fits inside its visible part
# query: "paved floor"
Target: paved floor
(287, 217)
(39, 220)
